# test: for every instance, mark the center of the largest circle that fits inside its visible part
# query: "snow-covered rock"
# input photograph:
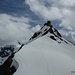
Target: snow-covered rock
(45, 56)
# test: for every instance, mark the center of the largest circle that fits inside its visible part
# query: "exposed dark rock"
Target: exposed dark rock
(57, 32)
(6, 68)
(52, 37)
(66, 42)
(45, 33)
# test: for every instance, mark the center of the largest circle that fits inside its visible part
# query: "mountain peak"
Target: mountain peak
(52, 34)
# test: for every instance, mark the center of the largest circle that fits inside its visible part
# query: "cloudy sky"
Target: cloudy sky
(19, 19)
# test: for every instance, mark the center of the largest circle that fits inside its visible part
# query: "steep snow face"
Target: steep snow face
(45, 56)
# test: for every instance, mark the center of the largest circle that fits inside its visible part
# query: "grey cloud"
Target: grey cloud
(15, 29)
(45, 12)
(69, 35)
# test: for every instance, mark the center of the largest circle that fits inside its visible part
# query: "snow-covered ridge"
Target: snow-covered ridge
(45, 53)
(48, 54)
(52, 33)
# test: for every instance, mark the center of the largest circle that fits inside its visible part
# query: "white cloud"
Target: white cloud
(36, 28)
(55, 10)
(14, 28)
(70, 35)
(45, 12)
(68, 3)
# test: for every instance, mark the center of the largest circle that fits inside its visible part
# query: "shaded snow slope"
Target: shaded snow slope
(45, 56)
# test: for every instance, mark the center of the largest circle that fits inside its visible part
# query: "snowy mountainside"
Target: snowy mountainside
(46, 56)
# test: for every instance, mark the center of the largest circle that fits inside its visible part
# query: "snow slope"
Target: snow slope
(45, 56)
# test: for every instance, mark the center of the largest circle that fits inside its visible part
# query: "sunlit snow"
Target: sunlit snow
(45, 56)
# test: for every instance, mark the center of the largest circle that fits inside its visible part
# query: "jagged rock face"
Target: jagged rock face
(55, 35)
(9, 67)
(6, 60)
